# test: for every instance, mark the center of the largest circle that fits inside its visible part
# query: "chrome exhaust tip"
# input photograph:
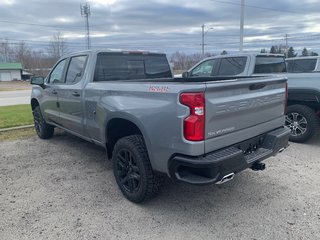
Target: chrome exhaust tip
(226, 178)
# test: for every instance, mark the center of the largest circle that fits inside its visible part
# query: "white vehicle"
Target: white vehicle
(244, 64)
(303, 64)
(303, 82)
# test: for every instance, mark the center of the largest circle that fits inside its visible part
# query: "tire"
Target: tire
(302, 121)
(43, 129)
(132, 169)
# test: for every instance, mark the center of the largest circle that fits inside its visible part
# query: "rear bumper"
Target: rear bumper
(212, 167)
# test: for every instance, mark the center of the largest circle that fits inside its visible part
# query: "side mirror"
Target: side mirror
(37, 81)
(185, 74)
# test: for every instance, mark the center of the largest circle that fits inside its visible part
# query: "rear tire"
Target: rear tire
(132, 169)
(302, 121)
(43, 129)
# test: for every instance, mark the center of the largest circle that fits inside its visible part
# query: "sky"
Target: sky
(163, 25)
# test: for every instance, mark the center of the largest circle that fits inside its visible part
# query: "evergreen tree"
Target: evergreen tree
(273, 49)
(224, 52)
(291, 53)
(263, 50)
(305, 52)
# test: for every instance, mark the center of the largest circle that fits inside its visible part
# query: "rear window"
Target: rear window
(119, 66)
(301, 65)
(265, 64)
(232, 66)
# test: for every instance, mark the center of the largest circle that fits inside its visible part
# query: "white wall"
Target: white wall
(8, 75)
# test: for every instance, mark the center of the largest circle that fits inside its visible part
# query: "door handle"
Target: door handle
(76, 94)
(54, 92)
(256, 86)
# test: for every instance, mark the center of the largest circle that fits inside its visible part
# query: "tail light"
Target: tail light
(194, 124)
(286, 99)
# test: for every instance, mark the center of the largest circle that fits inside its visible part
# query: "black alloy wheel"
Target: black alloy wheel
(132, 169)
(43, 129)
(128, 171)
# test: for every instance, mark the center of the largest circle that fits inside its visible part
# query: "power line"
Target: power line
(257, 7)
(35, 24)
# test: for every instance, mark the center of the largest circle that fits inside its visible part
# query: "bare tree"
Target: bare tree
(57, 46)
(22, 54)
(182, 62)
(5, 52)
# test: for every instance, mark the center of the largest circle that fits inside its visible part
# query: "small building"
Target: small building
(10, 71)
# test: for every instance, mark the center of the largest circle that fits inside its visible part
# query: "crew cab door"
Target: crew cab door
(50, 105)
(70, 95)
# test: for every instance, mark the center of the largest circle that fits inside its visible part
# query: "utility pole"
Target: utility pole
(202, 40)
(286, 38)
(241, 25)
(85, 12)
(203, 35)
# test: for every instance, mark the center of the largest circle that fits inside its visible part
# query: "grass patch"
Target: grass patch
(17, 115)
(17, 134)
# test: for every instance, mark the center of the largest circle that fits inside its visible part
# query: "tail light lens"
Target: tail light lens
(194, 124)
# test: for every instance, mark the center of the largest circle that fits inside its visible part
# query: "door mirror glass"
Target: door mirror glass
(185, 74)
(37, 80)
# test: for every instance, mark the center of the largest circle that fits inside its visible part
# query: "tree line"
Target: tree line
(39, 61)
(281, 49)
(34, 61)
(182, 62)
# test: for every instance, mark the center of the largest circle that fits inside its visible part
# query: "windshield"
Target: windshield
(301, 65)
(270, 64)
(120, 66)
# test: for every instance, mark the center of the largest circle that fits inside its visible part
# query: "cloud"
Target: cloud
(162, 25)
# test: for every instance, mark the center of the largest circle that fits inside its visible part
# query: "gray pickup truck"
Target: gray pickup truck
(303, 84)
(304, 97)
(199, 131)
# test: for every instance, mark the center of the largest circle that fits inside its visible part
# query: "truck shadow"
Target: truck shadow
(176, 200)
(315, 140)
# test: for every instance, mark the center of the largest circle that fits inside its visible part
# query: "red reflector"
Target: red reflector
(194, 124)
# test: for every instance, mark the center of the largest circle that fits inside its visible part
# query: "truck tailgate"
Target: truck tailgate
(240, 109)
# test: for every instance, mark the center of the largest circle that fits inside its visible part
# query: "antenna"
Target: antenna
(85, 12)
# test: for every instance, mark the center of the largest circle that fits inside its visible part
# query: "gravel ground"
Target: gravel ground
(64, 188)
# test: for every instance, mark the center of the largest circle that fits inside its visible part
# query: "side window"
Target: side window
(232, 66)
(269, 64)
(290, 65)
(302, 65)
(204, 69)
(76, 69)
(56, 75)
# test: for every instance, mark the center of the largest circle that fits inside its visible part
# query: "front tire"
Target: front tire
(302, 121)
(43, 129)
(132, 169)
